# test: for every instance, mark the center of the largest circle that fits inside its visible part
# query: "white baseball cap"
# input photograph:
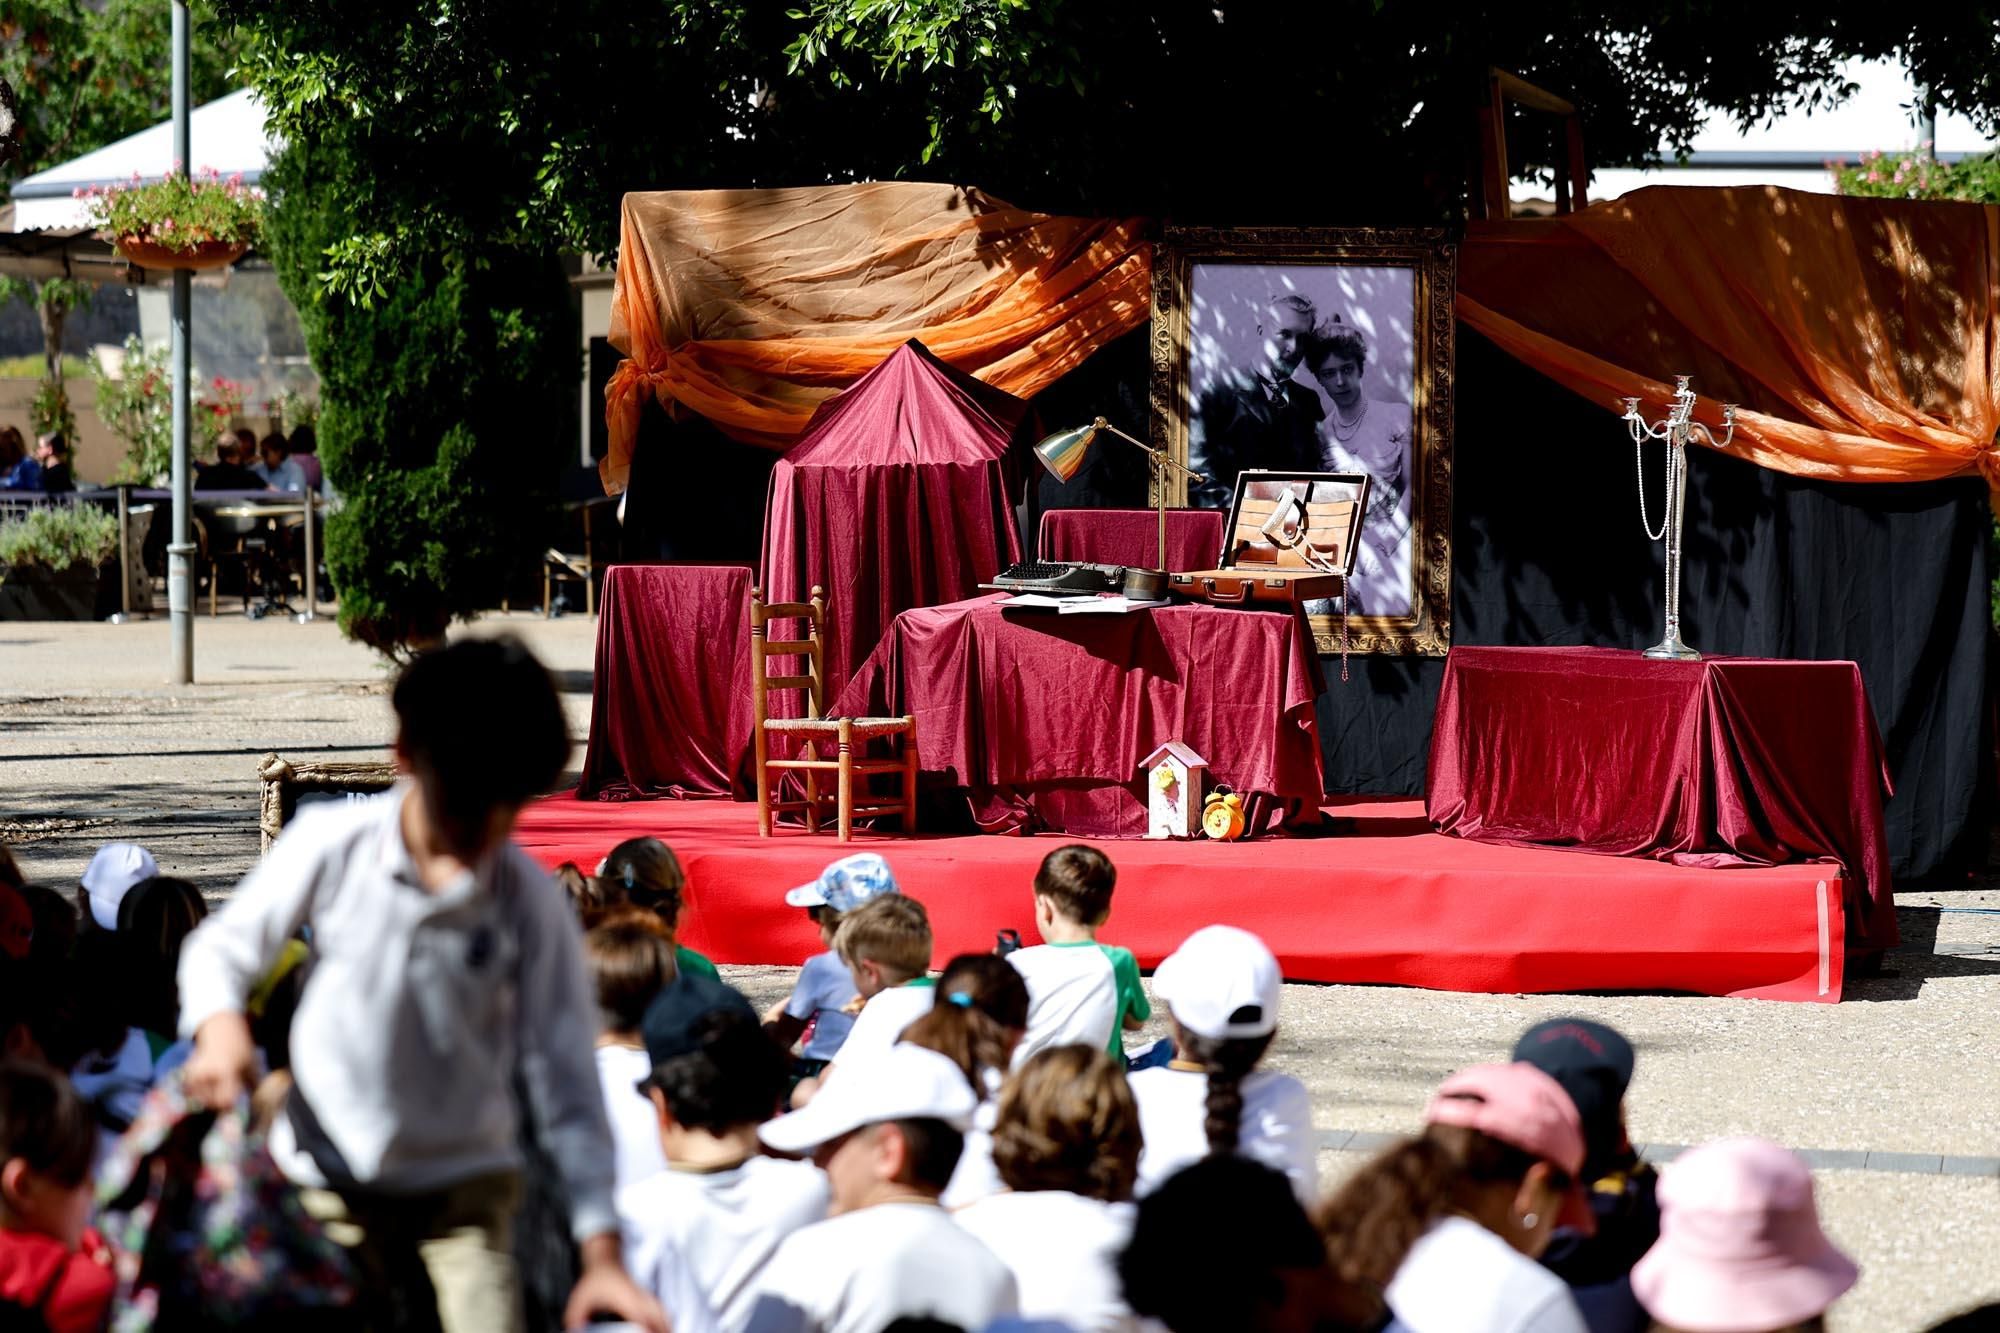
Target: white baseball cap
(846, 884)
(1221, 983)
(905, 1082)
(112, 872)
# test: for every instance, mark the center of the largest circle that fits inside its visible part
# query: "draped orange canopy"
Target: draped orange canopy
(1860, 336)
(750, 307)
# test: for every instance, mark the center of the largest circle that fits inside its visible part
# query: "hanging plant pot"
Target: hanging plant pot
(209, 254)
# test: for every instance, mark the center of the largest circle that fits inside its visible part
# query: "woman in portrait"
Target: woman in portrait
(1370, 435)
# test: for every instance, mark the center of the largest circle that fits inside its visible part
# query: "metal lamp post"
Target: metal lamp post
(180, 551)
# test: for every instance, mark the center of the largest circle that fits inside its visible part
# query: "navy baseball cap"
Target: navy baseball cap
(675, 1014)
(1594, 1065)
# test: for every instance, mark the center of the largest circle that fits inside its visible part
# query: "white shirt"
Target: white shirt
(635, 1125)
(1063, 1251)
(1072, 997)
(882, 1020)
(1276, 1128)
(421, 1007)
(862, 1271)
(1461, 1278)
(825, 987)
(721, 1226)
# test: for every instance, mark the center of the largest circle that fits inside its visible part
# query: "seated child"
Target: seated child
(1066, 1143)
(718, 1210)
(644, 872)
(825, 987)
(886, 944)
(631, 960)
(976, 1023)
(1079, 991)
(1221, 988)
(888, 1138)
(54, 1271)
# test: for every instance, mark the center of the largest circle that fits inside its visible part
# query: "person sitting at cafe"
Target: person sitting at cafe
(227, 472)
(305, 452)
(279, 471)
(53, 453)
(18, 472)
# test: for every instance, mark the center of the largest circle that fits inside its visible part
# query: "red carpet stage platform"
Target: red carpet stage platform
(1380, 898)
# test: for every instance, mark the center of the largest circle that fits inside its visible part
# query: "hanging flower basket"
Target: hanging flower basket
(179, 222)
(209, 254)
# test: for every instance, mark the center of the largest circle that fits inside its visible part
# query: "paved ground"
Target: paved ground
(1890, 1090)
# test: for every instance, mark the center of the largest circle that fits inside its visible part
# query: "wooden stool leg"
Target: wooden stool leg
(846, 794)
(811, 751)
(763, 783)
(910, 776)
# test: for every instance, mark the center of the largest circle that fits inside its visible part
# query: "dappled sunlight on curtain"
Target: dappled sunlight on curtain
(750, 307)
(1860, 336)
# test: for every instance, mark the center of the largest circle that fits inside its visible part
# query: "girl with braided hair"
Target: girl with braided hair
(978, 1018)
(1221, 988)
(645, 873)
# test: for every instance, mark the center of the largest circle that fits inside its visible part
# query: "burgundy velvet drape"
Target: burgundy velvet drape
(898, 495)
(1132, 536)
(1044, 719)
(670, 709)
(1599, 750)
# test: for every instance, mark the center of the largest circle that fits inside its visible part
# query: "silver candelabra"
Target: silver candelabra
(1676, 430)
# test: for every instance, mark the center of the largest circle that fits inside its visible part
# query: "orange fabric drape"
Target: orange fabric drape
(1860, 336)
(750, 307)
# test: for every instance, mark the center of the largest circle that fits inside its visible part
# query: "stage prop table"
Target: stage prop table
(1716, 762)
(1042, 719)
(670, 711)
(1132, 536)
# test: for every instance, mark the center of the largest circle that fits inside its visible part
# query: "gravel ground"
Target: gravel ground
(93, 748)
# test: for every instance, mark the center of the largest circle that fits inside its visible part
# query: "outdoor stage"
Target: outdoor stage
(1377, 898)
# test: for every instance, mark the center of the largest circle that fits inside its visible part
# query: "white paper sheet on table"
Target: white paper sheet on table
(1086, 604)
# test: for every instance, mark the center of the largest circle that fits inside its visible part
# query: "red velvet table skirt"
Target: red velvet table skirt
(1132, 536)
(670, 712)
(1044, 719)
(1728, 759)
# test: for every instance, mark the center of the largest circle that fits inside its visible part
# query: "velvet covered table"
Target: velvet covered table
(670, 709)
(1132, 537)
(1044, 719)
(1728, 759)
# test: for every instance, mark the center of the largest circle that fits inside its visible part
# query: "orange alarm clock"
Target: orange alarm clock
(1222, 818)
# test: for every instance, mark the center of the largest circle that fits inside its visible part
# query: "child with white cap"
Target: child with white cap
(1740, 1247)
(1222, 988)
(888, 1143)
(114, 868)
(818, 1007)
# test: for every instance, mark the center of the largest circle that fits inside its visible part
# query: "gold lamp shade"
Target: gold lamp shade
(1062, 453)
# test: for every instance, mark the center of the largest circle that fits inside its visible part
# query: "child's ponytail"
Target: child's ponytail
(1227, 1062)
(978, 1017)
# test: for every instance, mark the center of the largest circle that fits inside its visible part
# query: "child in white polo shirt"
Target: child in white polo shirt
(720, 1209)
(1222, 988)
(888, 1143)
(1080, 992)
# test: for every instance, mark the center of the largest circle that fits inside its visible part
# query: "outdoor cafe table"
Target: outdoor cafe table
(1727, 760)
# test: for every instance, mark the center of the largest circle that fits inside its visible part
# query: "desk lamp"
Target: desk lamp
(1062, 454)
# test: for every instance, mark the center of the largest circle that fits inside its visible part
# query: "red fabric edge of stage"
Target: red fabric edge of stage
(1379, 905)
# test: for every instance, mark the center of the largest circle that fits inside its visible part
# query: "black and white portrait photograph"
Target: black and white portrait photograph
(1304, 352)
(1311, 368)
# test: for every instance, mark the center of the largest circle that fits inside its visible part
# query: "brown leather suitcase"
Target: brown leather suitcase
(1290, 539)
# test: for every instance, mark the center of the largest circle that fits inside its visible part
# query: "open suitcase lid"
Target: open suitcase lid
(1294, 521)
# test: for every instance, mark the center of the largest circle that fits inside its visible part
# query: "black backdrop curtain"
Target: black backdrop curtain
(1547, 549)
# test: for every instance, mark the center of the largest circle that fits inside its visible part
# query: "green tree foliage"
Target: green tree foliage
(456, 145)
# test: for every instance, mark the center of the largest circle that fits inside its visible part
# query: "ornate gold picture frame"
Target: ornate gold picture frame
(1320, 349)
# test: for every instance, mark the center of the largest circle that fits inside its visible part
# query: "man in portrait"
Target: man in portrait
(1258, 416)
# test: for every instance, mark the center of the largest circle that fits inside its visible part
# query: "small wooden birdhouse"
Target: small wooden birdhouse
(1174, 776)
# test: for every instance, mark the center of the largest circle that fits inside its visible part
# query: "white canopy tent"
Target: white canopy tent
(227, 134)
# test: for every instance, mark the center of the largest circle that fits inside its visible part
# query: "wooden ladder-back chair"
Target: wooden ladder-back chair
(815, 728)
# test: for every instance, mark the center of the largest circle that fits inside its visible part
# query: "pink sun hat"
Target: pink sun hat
(1740, 1245)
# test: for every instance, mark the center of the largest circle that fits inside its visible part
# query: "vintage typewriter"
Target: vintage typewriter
(1058, 576)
